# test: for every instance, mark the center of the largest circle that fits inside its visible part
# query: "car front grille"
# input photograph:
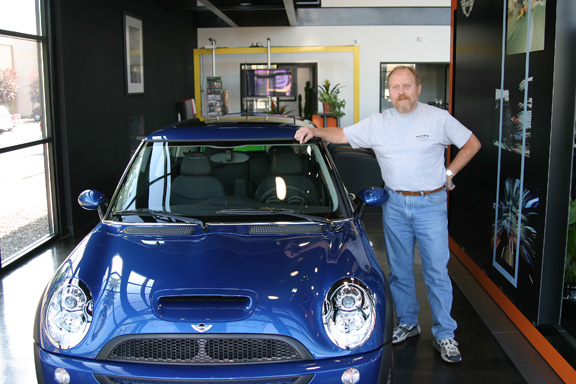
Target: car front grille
(122, 380)
(204, 349)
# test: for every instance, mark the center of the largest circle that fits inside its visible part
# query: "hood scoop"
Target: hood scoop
(202, 305)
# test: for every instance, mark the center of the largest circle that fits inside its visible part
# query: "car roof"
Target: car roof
(232, 127)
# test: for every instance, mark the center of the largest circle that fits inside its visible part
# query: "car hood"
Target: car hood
(225, 280)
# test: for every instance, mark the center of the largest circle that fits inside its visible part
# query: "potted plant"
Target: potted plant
(276, 109)
(329, 96)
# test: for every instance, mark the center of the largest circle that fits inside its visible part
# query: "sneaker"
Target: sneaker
(402, 331)
(448, 349)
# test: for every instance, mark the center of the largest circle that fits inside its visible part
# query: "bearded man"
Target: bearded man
(409, 142)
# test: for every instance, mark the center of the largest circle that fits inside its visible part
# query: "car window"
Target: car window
(226, 181)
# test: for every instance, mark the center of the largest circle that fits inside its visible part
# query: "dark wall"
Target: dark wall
(527, 172)
(92, 109)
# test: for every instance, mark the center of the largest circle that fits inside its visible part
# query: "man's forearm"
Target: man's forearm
(466, 153)
(332, 135)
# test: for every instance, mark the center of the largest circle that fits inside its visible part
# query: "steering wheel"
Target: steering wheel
(294, 196)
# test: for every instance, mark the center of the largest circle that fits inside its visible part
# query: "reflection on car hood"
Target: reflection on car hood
(267, 283)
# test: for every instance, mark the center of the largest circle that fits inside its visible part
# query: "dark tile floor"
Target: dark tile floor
(492, 349)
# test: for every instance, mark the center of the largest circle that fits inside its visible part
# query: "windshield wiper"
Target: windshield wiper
(277, 211)
(159, 215)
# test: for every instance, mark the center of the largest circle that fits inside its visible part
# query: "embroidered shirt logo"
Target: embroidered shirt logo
(422, 137)
(467, 6)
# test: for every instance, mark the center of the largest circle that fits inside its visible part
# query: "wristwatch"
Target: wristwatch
(449, 173)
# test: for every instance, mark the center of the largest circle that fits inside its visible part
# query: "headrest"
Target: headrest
(196, 164)
(286, 163)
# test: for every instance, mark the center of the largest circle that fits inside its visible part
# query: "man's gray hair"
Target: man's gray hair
(407, 67)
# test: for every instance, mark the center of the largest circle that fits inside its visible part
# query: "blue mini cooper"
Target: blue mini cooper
(229, 253)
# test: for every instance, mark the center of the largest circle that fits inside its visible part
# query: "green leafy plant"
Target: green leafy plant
(276, 109)
(330, 95)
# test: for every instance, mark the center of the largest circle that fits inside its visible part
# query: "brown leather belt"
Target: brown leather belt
(419, 193)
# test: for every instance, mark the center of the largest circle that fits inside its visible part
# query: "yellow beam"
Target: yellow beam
(356, 84)
(197, 84)
(253, 50)
(355, 50)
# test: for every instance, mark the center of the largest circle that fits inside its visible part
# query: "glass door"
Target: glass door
(26, 192)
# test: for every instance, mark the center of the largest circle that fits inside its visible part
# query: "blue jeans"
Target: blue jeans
(419, 219)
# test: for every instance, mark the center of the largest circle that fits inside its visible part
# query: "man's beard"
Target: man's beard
(404, 107)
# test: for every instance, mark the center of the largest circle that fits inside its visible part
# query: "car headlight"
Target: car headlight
(69, 314)
(349, 314)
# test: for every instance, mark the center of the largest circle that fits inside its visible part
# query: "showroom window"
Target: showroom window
(26, 209)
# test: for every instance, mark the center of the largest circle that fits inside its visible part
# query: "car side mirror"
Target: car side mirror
(91, 200)
(372, 197)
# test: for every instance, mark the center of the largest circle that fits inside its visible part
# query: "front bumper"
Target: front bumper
(373, 367)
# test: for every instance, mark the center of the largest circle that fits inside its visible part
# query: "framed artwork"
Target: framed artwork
(134, 55)
(526, 26)
(514, 235)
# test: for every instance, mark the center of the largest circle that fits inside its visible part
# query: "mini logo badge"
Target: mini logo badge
(201, 327)
(467, 6)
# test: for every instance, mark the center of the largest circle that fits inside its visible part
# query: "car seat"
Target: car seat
(288, 166)
(196, 182)
(358, 168)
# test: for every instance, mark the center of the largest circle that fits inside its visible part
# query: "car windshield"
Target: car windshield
(191, 183)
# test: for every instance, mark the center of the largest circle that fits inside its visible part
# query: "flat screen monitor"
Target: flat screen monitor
(270, 82)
